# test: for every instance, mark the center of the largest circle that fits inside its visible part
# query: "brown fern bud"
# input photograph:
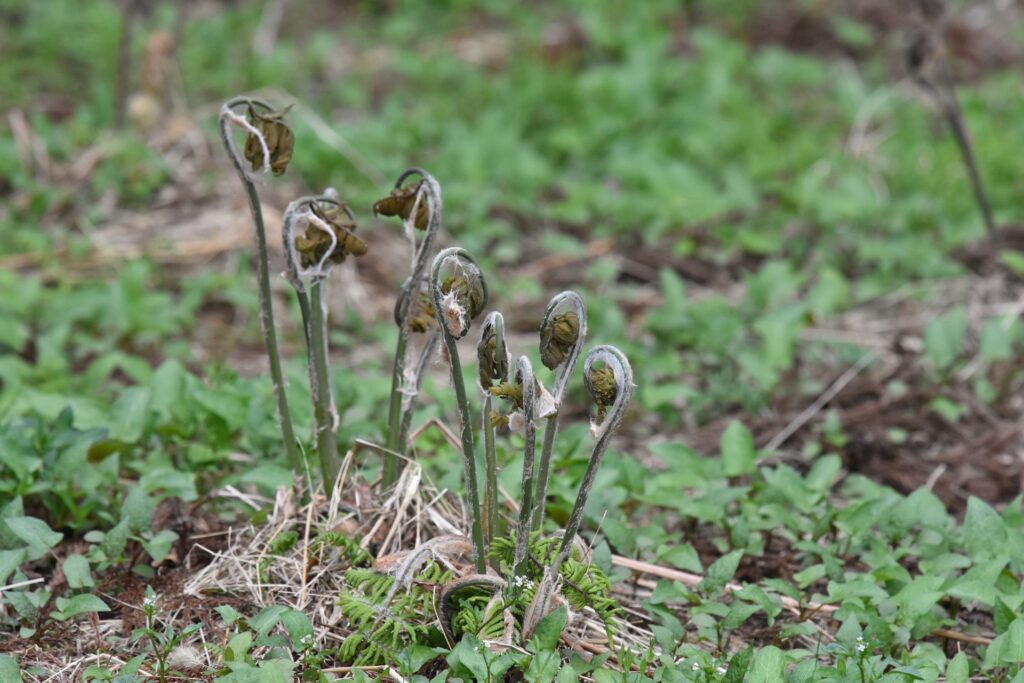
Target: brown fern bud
(401, 202)
(316, 242)
(557, 339)
(422, 317)
(605, 390)
(276, 134)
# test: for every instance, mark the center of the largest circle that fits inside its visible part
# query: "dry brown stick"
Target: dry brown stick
(822, 400)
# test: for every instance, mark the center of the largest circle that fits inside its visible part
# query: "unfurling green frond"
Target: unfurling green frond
(510, 391)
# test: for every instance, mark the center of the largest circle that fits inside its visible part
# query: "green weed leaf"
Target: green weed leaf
(76, 571)
(720, 572)
(36, 534)
(738, 454)
(78, 604)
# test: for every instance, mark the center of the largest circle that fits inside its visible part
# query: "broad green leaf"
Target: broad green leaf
(267, 618)
(299, 628)
(10, 672)
(1007, 648)
(78, 604)
(959, 669)
(944, 337)
(738, 454)
(738, 666)
(549, 630)
(76, 571)
(984, 530)
(682, 556)
(10, 560)
(160, 545)
(720, 572)
(36, 534)
(768, 666)
(137, 510)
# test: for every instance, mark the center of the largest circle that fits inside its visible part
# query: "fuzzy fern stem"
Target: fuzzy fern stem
(524, 377)
(399, 415)
(267, 322)
(454, 313)
(493, 362)
(560, 349)
(622, 373)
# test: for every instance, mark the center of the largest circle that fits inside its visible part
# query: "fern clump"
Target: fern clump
(583, 583)
(382, 628)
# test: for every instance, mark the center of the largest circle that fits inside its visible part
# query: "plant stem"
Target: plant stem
(323, 399)
(468, 451)
(490, 472)
(397, 415)
(392, 442)
(425, 355)
(963, 140)
(949, 105)
(267, 322)
(624, 392)
(524, 376)
(563, 302)
(544, 471)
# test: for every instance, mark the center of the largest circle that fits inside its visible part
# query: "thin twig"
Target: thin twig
(830, 393)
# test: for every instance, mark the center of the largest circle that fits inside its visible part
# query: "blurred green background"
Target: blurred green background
(726, 182)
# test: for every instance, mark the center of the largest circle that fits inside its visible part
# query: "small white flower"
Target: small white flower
(721, 670)
(522, 583)
(695, 667)
(861, 646)
(149, 601)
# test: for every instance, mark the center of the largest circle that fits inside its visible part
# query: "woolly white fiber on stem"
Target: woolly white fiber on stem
(241, 122)
(321, 269)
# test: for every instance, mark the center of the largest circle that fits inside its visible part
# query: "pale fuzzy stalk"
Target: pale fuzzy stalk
(425, 355)
(463, 260)
(524, 372)
(324, 413)
(624, 392)
(469, 453)
(398, 415)
(493, 367)
(395, 407)
(574, 302)
(314, 317)
(490, 473)
(544, 471)
(267, 322)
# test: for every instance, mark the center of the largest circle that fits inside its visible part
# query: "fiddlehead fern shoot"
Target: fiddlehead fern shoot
(419, 206)
(493, 360)
(459, 295)
(268, 148)
(563, 331)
